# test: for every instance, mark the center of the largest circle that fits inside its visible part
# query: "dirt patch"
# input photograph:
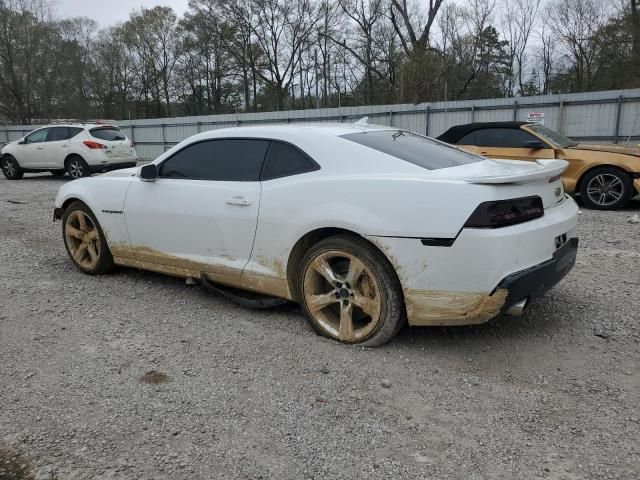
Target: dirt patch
(452, 308)
(154, 377)
(14, 466)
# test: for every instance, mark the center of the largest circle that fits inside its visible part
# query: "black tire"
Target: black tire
(58, 173)
(11, 168)
(391, 300)
(606, 188)
(77, 167)
(104, 263)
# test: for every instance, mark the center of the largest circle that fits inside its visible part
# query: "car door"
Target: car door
(57, 146)
(506, 143)
(202, 210)
(31, 153)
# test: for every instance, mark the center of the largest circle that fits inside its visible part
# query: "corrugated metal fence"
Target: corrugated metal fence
(602, 117)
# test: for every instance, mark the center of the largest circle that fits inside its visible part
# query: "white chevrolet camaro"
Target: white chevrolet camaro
(365, 226)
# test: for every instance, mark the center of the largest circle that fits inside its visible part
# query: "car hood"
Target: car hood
(123, 172)
(623, 149)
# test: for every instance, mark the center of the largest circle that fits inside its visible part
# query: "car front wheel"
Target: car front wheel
(350, 292)
(85, 241)
(606, 188)
(11, 168)
(77, 167)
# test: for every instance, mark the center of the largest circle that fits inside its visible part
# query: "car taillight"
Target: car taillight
(502, 213)
(94, 145)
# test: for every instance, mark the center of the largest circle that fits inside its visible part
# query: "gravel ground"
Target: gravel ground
(137, 375)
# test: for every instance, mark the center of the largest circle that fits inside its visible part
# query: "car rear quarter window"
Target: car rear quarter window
(468, 139)
(502, 138)
(108, 134)
(284, 160)
(238, 160)
(57, 134)
(417, 149)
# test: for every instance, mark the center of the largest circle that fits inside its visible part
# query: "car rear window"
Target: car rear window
(109, 134)
(417, 149)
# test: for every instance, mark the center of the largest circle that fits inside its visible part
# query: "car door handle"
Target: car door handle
(239, 201)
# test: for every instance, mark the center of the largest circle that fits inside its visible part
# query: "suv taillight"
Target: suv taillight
(502, 213)
(94, 145)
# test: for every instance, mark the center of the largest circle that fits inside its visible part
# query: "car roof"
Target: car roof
(459, 131)
(81, 125)
(335, 129)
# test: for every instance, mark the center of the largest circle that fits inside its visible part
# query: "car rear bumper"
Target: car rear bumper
(484, 272)
(533, 282)
(107, 167)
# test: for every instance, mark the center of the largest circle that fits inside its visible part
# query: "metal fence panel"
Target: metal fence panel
(612, 116)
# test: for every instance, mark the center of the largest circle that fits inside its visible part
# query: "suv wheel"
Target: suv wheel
(11, 168)
(77, 167)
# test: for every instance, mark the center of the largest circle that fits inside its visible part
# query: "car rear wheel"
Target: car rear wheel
(350, 292)
(11, 168)
(606, 188)
(77, 167)
(85, 241)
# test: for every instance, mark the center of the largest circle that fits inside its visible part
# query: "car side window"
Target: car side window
(503, 137)
(284, 160)
(73, 131)
(57, 134)
(38, 136)
(468, 139)
(238, 160)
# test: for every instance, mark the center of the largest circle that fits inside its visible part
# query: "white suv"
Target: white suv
(79, 149)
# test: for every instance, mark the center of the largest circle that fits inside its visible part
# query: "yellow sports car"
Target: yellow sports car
(605, 177)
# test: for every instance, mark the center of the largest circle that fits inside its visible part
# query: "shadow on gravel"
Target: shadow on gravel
(13, 465)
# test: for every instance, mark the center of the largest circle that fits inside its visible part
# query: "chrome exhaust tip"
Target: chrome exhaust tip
(517, 308)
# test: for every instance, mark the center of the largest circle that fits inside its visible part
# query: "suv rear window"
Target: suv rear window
(417, 149)
(109, 134)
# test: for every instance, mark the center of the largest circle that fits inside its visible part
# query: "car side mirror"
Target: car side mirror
(148, 173)
(22, 141)
(534, 144)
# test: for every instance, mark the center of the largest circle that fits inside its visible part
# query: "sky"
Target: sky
(108, 12)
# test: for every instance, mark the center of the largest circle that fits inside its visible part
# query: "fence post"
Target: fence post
(6, 133)
(561, 118)
(390, 118)
(427, 118)
(618, 117)
(515, 110)
(133, 134)
(198, 127)
(473, 113)
(164, 140)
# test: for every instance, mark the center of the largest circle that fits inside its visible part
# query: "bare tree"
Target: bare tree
(519, 19)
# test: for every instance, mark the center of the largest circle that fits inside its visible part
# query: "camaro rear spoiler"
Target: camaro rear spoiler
(518, 171)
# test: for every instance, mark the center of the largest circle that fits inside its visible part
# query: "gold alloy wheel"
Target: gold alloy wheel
(342, 296)
(83, 239)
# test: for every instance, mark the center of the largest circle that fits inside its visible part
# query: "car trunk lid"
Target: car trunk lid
(542, 177)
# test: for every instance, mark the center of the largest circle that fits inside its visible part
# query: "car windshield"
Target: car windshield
(417, 149)
(551, 136)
